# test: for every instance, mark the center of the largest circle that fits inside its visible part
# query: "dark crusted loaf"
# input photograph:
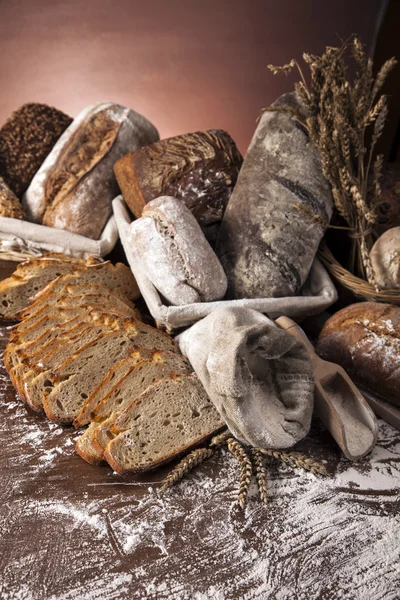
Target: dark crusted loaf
(26, 139)
(199, 168)
(277, 213)
(364, 339)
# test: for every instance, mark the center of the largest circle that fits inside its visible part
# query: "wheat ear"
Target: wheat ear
(220, 439)
(261, 474)
(296, 459)
(246, 469)
(189, 462)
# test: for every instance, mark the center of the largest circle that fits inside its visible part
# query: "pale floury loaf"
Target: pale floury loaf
(172, 249)
(385, 259)
(75, 185)
(277, 213)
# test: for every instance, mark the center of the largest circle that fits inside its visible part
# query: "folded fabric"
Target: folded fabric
(28, 238)
(258, 376)
(317, 294)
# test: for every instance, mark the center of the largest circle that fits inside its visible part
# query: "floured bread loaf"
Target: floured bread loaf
(277, 213)
(198, 168)
(172, 250)
(385, 259)
(75, 186)
(178, 409)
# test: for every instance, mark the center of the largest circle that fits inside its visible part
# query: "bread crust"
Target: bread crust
(364, 339)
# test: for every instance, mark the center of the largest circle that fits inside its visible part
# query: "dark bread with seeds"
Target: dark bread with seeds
(278, 211)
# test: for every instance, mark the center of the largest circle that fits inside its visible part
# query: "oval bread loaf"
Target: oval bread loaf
(364, 339)
(172, 250)
(75, 185)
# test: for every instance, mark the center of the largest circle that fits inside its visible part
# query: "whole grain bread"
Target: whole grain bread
(79, 376)
(177, 409)
(364, 339)
(10, 206)
(17, 291)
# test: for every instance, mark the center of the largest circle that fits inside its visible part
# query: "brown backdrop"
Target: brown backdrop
(186, 65)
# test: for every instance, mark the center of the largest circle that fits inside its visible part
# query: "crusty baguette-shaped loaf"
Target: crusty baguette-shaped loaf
(75, 186)
(168, 419)
(277, 213)
(134, 383)
(172, 250)
(199, 168)
(10, 206)
(17, 291)
(26, 139)
(364, 339)
(79, 376)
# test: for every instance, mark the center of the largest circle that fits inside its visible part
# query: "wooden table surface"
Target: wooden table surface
(71, 531)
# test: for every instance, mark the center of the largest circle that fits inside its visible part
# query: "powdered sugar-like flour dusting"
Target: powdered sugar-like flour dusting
(71, 531)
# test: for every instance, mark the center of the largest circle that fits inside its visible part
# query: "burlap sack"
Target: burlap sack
(259, 377)
(317, 294)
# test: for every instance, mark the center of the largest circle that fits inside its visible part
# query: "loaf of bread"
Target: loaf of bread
(75, 186)
(385, 259)
(199, 168)
(26, 139)
(10, 206)
(172, 250)
(277, 213)
(364, 339)
(388, 208)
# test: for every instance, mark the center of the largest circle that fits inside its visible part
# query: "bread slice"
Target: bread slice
(117, 278)
(85, 449)
(17, 291)
(135, 383)
(113, 376)
(169, 418)
(79, 376)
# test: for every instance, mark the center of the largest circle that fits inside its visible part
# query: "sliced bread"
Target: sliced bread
(17, 291)
(169, 418)
(79, 376)
(143, 375)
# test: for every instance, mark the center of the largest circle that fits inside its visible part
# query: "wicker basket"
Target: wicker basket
(359, 287)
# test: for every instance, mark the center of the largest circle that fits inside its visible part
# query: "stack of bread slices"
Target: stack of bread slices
(81, 354)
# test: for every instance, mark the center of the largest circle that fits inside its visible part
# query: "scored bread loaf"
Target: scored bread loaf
(178, 409)
(172, 250)
(77, 378)
(75, 185)
(26, 139)
(198, 168)
(278, 211)
(130, 386)
(364, 339)
(10, 206)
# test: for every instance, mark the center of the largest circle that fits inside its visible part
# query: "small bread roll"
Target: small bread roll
(172, 250)
(385, 259)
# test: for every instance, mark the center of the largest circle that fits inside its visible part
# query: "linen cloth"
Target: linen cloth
(19, 235)
(258, 376)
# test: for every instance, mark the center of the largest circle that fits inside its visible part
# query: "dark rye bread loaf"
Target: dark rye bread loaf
(364, 339)
(277, 213)
(26, 139)
(199, 168)
(75, 186)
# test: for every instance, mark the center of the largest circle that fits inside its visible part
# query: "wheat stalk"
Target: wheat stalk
(339, 114)
(260, 473)
(296, 459)
(189, 462)
(246, 470)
